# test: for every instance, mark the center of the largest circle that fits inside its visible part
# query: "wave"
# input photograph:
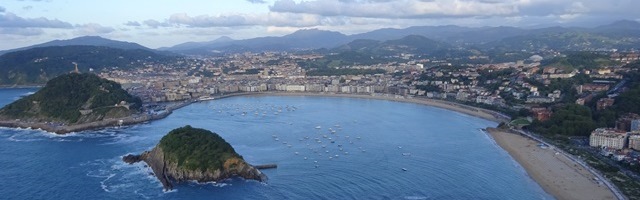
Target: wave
(416, 197)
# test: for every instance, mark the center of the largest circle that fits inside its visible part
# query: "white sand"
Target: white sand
(557, 174)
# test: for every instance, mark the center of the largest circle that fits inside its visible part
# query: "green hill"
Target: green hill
(193, 154)
(38, 65)
(196, 149)
(579, 60)
(64, 97)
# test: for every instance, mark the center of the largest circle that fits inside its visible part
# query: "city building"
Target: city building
(634, 140)
(610, 138)
(624, 122)
(604, 103)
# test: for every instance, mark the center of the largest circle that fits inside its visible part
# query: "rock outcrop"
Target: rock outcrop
(169, 171)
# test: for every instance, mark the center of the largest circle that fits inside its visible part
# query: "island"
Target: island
(194, 154)
(74, 102)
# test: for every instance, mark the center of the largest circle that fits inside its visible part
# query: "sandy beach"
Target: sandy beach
(557, 174)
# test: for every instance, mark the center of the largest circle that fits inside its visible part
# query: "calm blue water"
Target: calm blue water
(443, 152)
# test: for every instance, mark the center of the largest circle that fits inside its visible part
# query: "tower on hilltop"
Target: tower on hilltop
(76, 70)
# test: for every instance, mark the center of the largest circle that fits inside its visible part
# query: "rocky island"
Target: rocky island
(193, 154)
(74, 102)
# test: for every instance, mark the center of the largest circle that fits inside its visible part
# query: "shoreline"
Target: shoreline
(137, 119)
(557, 174)
(451, 106)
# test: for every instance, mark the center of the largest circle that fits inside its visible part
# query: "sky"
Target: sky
(163, 23)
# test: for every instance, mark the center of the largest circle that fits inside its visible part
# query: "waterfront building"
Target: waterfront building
(610, 138)
(634, 140)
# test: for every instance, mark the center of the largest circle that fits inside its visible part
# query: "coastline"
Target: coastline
(142, 118)
(107, 123)
(456, 107)
(556, 173)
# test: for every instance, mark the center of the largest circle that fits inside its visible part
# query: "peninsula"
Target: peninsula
(193, 154)
(73, 102)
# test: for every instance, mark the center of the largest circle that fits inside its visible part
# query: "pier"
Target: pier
(266, 166)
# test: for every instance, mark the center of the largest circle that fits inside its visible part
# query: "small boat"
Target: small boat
(318, 127)
(404, 169)
(406, 154)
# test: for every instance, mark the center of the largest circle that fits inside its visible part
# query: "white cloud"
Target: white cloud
(13, 21)
(132, 23)
(21, 31)
(92, 29)
(257, 1)
(209, 21)
(429, 9)
(396, 9)
(155, 24)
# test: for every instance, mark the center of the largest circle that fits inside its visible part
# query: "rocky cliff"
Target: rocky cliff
(169, 169)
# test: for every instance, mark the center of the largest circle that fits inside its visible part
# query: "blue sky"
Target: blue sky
(169, 22)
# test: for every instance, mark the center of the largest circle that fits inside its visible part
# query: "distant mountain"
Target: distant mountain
(38, 65)
(197, 45)
(86, 41)
(450, 34)
(620, 34)
(299, 40)
(412, 44)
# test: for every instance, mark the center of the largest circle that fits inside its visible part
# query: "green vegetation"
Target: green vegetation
(347, 58)
(63, 97)
(520, 122)
(196, 149)
(569, 120)
(579, 60)
(339, 72)
(38, 65)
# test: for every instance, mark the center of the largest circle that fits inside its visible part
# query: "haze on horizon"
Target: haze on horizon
(153, 24)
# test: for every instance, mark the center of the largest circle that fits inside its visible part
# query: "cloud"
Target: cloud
(2, 9)
(430, 9)
(92, 29)
(209, 21)
(395, 9)
(132, 23)
(21, 31)
(27, 8)
(257, 1)
(241, 20)
(155, 24)
(10, 20)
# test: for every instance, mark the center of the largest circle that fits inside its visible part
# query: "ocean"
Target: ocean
(325, 148)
